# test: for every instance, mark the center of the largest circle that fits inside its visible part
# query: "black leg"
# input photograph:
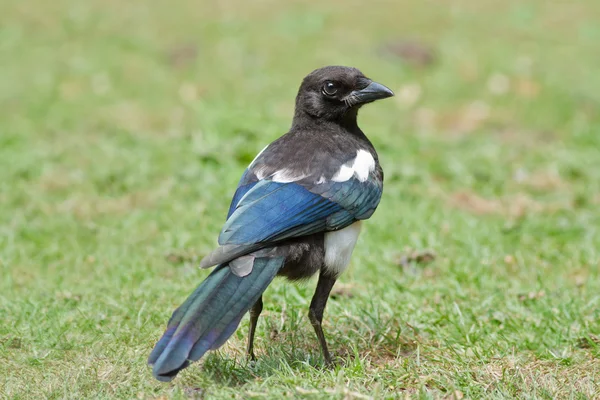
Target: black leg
(254, 314)
(317, 306)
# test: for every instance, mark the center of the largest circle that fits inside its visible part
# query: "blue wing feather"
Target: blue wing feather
(270, 211)
(247, 182)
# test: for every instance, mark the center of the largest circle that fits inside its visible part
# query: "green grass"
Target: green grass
(124, 127)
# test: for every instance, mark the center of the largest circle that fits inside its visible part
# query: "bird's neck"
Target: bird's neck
(347, 122)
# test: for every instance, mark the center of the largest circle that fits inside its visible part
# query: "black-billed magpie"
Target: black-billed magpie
(297, 211)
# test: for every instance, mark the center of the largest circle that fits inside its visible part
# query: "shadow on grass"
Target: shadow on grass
(296, 352)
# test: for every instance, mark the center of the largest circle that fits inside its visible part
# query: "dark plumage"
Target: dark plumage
(296, 212)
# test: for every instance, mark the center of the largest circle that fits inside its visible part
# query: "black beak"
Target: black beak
(373, 91)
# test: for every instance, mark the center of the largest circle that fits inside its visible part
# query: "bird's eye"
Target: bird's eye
(330, 88)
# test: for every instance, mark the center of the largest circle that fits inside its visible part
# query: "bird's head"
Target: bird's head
(336, 93)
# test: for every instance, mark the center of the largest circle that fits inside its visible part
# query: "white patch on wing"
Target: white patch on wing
(260, 174)
(343, 174)
(364, 164)
(361, 166)
(286, 176)
(339, 246)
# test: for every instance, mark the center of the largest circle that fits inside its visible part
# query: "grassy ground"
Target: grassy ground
(124, 127)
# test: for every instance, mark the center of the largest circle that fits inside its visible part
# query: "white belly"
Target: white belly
(339, 246)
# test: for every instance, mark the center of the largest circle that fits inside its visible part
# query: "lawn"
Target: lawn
(124, 127)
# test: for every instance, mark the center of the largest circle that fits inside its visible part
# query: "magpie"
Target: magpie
(297, 211)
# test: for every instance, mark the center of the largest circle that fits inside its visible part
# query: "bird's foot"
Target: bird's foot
(328, 361)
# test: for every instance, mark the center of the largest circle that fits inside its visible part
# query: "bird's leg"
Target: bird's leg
(254, 314)
(317, 306)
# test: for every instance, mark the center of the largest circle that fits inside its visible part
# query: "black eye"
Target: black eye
(330, 88)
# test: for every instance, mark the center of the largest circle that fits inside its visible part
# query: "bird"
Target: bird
(297, 212)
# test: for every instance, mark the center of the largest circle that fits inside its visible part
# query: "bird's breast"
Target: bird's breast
(339, 246)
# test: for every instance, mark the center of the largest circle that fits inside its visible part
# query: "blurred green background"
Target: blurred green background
(124, 127)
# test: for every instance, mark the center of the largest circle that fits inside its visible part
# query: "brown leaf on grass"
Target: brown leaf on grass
(542, 180)
(413, 52)
(11, 342)
(455, 122)
(527, 88)
(545, 180)
(509, 259)
(468, 118)
(527, 138)
(182, 55)
(532, 296)
(180, 257)
(68, 296)
(417, 257)
(521, 205)
(342, 290)
(588, 342)
(580, 278)
(515, 206)
(474, 203)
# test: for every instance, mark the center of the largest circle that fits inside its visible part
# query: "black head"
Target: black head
(336, 93)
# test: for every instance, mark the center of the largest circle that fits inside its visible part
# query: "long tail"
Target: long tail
(210, 316)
